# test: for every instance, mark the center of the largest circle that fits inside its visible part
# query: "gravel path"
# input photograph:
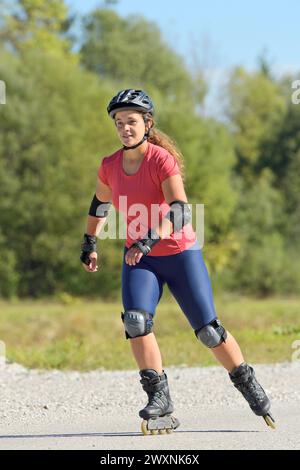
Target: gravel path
(99, 410)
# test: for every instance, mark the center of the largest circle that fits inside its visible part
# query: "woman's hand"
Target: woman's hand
(133, 256)
(92, 267)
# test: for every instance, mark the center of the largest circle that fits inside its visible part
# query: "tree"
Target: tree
(291, 189)
(52, 139)
(281, 154)
(279, 150)
(265, 65)
(131, 53)
(36, 24)
(259, 265)
(256, 110)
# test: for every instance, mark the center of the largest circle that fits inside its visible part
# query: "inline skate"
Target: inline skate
(157, 414)
(243, 378)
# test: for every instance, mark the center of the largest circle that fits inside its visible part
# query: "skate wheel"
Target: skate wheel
(162, 431)
(144, 428)
(154, 432)
(169, 431)
(270, 421)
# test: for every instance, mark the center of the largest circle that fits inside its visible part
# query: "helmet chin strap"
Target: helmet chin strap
(137, 145)
(140, 143)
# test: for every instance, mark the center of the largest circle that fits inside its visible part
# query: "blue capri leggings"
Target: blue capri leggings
(186, 276)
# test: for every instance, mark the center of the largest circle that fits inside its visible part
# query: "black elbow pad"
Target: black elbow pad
(180, 215)
(99, 208)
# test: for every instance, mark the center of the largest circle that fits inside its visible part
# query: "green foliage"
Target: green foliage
(256, 108)
(281, 153)
(291, 186)
(131, 52)
(267, 139)
(51, 143)
(9, 276)
(279, 150)
(262, 265)
(32, 24)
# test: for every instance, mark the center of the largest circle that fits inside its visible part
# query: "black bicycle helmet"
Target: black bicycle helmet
(130, 99)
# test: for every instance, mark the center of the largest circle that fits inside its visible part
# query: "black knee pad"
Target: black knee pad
(137, 323)
(212, 335)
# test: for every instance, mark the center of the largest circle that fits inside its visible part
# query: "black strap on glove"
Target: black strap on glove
(89, 245)
(146, 244)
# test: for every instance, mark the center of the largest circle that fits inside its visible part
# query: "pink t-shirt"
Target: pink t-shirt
(140, 197)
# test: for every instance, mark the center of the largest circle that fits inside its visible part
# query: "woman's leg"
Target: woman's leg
(229, 353)
(193, 293)
(141, 290)
(146, 352)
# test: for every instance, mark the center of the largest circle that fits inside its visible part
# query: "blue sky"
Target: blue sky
(224, 33)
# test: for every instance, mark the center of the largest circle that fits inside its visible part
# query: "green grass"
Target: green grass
(84, 335)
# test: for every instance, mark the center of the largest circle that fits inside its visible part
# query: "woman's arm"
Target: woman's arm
(95, 224)
(99, 205)
(173, 190)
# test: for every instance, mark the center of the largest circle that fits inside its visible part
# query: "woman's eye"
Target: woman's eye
(120, 124)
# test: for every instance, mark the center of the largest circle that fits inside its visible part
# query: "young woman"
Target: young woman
(148, 171)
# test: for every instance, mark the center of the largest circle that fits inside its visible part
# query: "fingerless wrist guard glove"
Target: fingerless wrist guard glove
(147, 243)
(89, 245)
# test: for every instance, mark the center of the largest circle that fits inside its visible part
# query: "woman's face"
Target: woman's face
(130, 127)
